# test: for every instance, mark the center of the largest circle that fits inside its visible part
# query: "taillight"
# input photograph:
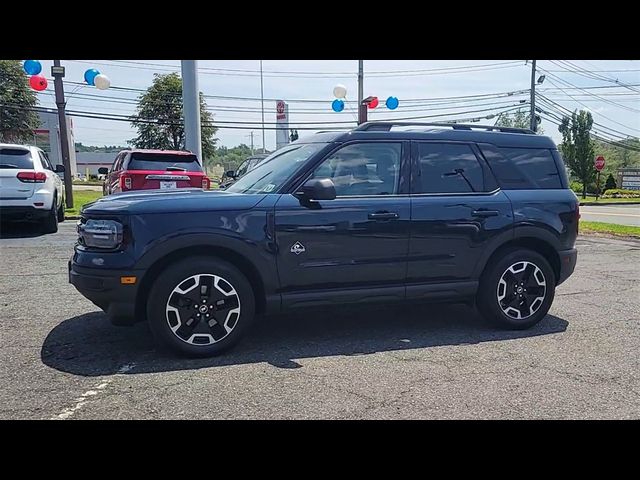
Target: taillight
(32, 177)
(125, 182)
(205, 183)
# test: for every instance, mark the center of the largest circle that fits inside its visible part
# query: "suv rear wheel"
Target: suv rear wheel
(50, 223)
(516, 291)
(200, 306)
(61, 211)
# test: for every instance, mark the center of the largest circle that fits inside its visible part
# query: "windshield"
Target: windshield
(163, 161)
(269, 175)
(15, 158)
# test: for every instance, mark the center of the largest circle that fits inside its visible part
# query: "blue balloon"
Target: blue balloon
(337, 105)
(392, 103)
(90, 75)
(32, 67)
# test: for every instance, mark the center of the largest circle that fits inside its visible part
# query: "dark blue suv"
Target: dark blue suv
(386, 212)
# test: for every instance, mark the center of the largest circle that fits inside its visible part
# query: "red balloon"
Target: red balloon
(373, 103)
(38, 82)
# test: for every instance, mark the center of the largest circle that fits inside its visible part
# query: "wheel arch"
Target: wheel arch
(535, 243)
(246, 267)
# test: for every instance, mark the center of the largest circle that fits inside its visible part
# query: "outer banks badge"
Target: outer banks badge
(298, 248)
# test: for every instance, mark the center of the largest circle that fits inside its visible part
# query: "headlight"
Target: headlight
(106, 234)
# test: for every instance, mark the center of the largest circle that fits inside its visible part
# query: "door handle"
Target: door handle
(485, 213)
(383, 216)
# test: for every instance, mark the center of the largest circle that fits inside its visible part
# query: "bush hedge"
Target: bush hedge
(621, 193)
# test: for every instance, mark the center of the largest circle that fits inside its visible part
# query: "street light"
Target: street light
(541, 79)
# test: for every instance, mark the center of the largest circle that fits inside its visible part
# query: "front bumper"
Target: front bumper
(568, 259)
(104, 289)
(22, 213)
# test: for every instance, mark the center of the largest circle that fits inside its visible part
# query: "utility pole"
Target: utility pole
(533, 122)
(264, 148)
(251, 135)
(191, 108)
(57, 71)
(361, 113)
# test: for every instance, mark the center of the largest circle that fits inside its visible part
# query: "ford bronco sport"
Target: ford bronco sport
(386, 212)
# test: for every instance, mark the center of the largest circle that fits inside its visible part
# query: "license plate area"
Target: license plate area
(167, 185)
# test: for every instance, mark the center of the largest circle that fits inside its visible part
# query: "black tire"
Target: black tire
(500, 299)
(50, 223)
(188, 339)
(61, 212)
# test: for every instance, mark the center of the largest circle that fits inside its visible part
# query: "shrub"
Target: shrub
(610, 184)
(576, 187)
(621, 193)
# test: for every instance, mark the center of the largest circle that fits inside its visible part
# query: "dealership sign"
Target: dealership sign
(629, 178)
(282, 123)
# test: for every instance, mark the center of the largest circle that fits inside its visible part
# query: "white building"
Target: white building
(47, 137)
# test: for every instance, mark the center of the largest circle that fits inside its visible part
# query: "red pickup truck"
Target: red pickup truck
(140, 169)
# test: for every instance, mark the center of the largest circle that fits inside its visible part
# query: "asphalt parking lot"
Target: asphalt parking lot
(61, 359)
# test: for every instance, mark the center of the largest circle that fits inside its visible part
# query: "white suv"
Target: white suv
(30, 188)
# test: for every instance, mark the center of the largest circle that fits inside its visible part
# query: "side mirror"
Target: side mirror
(59, 168)
(230, 174)
(317, 189)
(103, 170)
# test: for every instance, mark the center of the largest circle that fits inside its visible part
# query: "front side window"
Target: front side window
(363, 169)
(448, 168)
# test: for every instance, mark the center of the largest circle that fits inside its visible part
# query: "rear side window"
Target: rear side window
(158, 161)
(523, 168)
(448, 168)
(15, 158)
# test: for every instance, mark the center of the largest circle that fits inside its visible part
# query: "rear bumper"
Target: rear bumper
(568, 259)
(22, 213)
(104, 289)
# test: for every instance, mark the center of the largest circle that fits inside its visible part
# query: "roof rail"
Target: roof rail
(386, 126)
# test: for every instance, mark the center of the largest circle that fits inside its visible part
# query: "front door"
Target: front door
(359, 239)
(457, 210)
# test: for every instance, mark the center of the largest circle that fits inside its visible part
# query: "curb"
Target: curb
(598, 204)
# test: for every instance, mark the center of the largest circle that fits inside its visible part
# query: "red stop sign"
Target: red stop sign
(599, 162)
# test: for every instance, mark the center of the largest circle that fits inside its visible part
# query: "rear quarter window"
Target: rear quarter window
(15, 158)
(154, 161)
(523, 168)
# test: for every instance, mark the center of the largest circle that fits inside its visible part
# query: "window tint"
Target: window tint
(448, 168)
(537, 166)
(45, 162)
(363, 169)
(522, 168)
(15, 158)
(163, 161)
(116, 163)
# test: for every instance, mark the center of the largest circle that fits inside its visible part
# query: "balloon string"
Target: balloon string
(355, 118)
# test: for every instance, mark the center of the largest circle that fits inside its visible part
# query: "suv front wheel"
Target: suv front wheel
(200, 306)
(516, 290)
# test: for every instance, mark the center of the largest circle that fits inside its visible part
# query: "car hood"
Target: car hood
(179, 201)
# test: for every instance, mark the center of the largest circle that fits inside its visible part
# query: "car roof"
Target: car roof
(159, 152)
(508, 137)
(18, 146)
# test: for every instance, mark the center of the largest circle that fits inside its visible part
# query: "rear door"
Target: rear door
(149, 171)
(457, 209)
(113, 177)
(53, 180)
(14, 160)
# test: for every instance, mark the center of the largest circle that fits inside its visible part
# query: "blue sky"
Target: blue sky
(616, 108)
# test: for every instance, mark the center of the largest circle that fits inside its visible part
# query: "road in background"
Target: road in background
(620, 214)
(61, 358)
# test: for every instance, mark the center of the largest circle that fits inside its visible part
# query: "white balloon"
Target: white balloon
(102, 82)
(340, 91)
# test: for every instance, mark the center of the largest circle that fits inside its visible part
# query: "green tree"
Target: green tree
(610, 183)
(160, 122)
(518, 119)
(18, 120)
(577, 147)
